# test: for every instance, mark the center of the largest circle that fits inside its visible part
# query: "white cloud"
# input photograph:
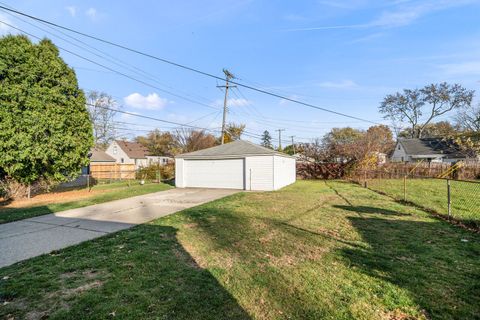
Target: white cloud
(233, 102)
(238, 102)
(404, 15)
(92, 13)
(467, 68)
(72, 10)
(344, 84)
(151, 101)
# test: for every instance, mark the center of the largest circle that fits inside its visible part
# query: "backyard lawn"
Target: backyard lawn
(75, 198)
(432, 194)
(314, 250)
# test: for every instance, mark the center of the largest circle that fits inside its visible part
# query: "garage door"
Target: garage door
(214, 173)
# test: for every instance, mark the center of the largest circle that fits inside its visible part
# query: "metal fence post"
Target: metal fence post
(449, 200)
(88, 182)
(405, 188)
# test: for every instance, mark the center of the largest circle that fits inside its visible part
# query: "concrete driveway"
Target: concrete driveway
(32, 237)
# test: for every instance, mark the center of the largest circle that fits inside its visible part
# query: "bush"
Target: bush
(167, 172)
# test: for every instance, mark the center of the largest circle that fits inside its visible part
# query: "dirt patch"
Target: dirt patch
(53, 197)
(400, 315)
(66, 293)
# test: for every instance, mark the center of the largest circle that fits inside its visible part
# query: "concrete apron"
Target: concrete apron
(32, 237)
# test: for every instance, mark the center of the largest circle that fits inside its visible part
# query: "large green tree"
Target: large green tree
(45, 130)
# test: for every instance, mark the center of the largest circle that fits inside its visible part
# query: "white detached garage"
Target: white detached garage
(236, 165)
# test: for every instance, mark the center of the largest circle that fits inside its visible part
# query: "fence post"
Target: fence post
(449, 200)
(405, 188)
(88, 182)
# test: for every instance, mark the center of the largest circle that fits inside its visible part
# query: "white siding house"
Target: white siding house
(236, 165)
(426, 149)
(125, 152)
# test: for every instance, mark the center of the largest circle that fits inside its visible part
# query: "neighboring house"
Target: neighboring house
(381, 157)
(96, 157)
(235, 165)
(427, 149)
(125, 152)
(301, 158)
(100, 157)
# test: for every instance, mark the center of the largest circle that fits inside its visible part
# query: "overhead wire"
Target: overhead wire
(191, 69)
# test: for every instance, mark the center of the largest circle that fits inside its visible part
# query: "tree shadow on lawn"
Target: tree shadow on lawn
(426, 258)
(140, 273)
(15, 214)
(274, 252)
(373, 210)
(429, 259)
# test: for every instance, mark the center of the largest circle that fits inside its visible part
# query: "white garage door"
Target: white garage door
(214, 173)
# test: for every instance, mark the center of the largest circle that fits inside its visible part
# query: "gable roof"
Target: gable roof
(235, 149)
(431, 146)
(134, 150)
(97, 155)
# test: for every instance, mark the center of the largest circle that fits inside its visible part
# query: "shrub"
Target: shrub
(167, 172)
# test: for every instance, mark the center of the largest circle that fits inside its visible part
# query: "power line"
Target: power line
(185, 67)
(113, 70)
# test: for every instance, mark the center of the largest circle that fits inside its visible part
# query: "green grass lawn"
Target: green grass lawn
(432, 194)
(313, 250)
(113, 191)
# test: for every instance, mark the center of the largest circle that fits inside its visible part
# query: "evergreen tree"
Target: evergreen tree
(267, 140)
(45, 130)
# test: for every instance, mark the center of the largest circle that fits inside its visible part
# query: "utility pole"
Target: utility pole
(228, 77)
(293, 144)
(280, 138)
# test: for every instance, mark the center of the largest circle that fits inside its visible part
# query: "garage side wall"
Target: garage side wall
(259, 173)
(179, 171)
(284, 171)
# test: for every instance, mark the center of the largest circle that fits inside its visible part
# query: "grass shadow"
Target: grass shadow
(371, 210)
(141, 273)
(429, 259)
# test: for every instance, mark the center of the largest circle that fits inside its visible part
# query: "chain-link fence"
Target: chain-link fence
(455, 199)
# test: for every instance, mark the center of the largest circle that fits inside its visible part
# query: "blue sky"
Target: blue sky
(342, 55)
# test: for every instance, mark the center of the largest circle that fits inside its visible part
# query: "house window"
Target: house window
(115, 150)
(122, 160)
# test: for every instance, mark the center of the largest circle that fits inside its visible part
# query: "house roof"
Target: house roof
(233, 149)
(134, 150)
(431, 147)
(97, 155)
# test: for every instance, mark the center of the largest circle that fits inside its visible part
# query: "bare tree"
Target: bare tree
(468, 118)
(189, 140)
(102, 118)
(433, 101)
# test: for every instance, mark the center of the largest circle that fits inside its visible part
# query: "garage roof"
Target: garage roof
(235, 149)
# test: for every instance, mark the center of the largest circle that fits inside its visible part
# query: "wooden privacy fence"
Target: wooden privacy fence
(114, 171)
